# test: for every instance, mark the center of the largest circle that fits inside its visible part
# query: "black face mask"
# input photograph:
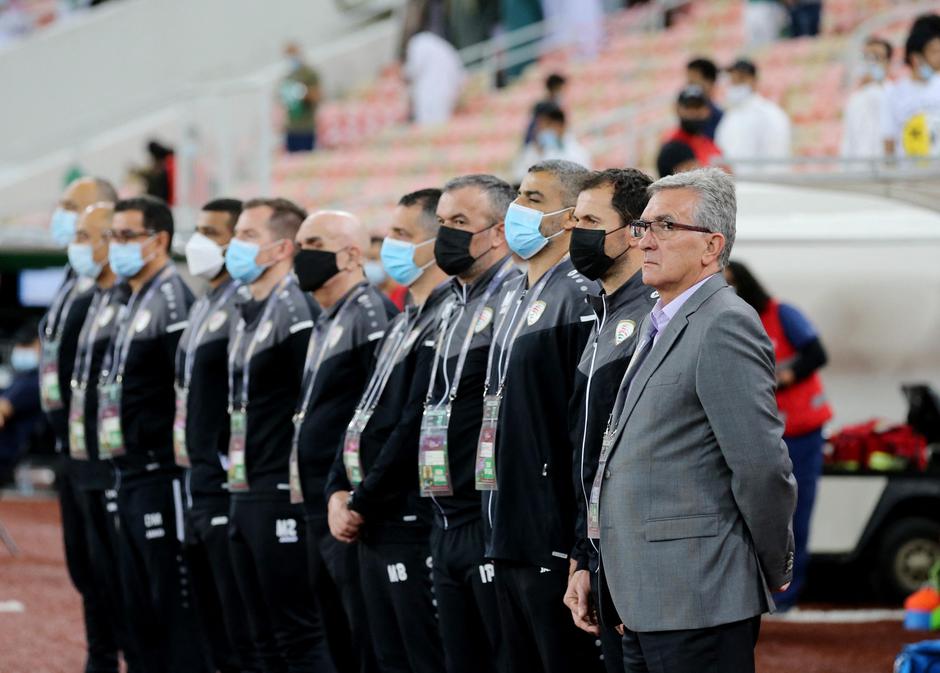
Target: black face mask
(452, 249)
(314, 268)
(693, 127)
(587, 252)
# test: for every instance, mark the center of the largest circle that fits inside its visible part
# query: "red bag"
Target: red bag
(852, 447)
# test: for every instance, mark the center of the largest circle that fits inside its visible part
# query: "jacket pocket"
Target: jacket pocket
(664, 380)
(681, 527)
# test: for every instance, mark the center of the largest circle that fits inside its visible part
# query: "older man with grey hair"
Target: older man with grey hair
(694, 492)
(525, 452)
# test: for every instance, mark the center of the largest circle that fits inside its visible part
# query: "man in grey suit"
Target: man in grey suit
(694, 493)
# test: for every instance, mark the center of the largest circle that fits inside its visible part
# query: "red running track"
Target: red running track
(47, 636)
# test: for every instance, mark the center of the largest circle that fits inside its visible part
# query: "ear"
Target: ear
(162, 241)
(353, 258)
(499, 234)
(713, 247)
(569, 223)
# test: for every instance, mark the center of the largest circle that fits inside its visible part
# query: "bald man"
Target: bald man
(58, 333)
(329, 264)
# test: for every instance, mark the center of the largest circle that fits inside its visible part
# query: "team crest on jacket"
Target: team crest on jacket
(625, 329)
(535, 312)
(216, 321)
(106, 314)
(486, 316)
(264, 330)
(142, 321)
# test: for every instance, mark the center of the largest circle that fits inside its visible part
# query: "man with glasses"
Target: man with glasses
(603, 248)
(329, 265)
(267, 349)
(135, 430)
(373, 487)
(694, 486)
(525, 453)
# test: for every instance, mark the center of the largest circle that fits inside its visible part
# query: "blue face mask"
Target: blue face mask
(240, 261)
(876, 71)
(62, 226)
(548, 140)
(82, 259)
(126, 259)
(926, 72)
(375, 272)
(398, 258)
(524, 229)
(24, 359)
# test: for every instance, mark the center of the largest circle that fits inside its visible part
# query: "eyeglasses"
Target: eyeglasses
(661, 229)
(127, 235)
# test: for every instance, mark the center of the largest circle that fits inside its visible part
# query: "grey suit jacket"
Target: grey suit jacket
(698, 493)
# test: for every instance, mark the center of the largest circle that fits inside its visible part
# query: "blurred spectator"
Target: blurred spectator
(300, 95)
(577, 22)
(675, 157)
(513, 15)
(911, 114)
(470, 21)
(552, 141)
(20, 412)
(805, 17)
(764, 20)
(160, 176)
(752, 127)
(802, 402)
(555, 91)
(693, 112)
(375, 271)
(435, 77)
(861, 123)
(704, 73)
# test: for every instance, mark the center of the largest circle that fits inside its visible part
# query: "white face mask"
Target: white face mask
(204, 257)
(737, 94)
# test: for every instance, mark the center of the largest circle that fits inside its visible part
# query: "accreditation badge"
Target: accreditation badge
(50, 393)
(237, 472)
(433, 460)
(485, 469)
(180, 454)
(77, 447)
(110, 435)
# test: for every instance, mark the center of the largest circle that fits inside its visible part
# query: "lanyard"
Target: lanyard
(451, 395)
(124, 338)
(88, 336)
(58, 313)
(318, 344)
(386, 361)
(510, 341)
(250, 351)
(197, 329)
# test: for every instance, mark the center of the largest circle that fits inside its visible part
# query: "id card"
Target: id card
(351, 459)
(594, 517)
(237, 472)
(485, 472)
(110, 436)
(77, 448)
(293, 466)
(433, 461)
(179, 429)
(50, 394)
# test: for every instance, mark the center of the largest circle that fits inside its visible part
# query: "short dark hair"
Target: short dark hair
(924, 29)
(286, 216)
(427, 200)
(671, 155)
(551, 111)
(233, 207)
(630, 194)
(881, 42)
(748, 287)
(498, 192)
(156, 213)
(705, 67)
(554, 82)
